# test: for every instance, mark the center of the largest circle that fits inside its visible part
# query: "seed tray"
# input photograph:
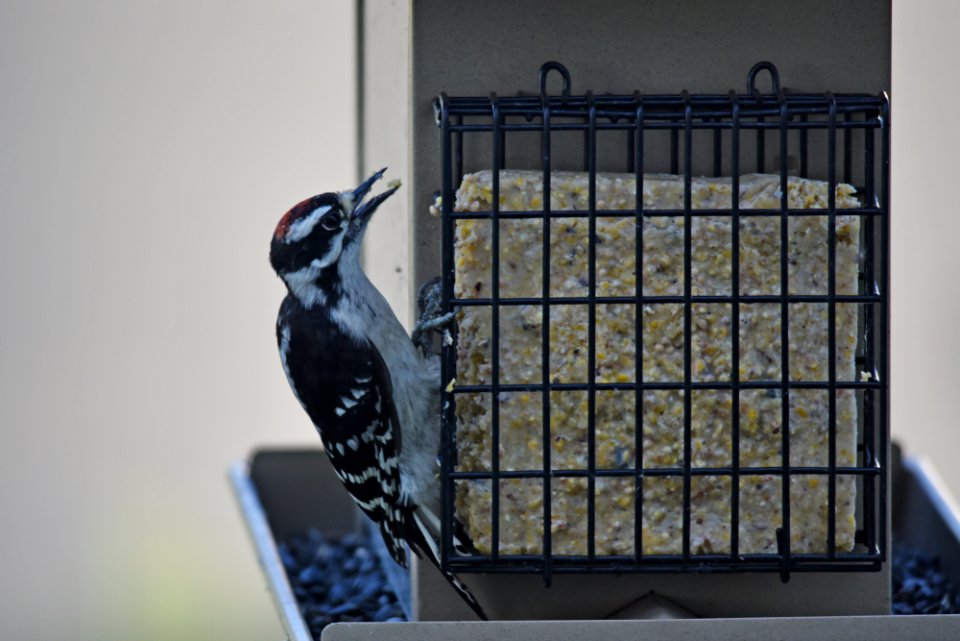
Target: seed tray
(285, 492)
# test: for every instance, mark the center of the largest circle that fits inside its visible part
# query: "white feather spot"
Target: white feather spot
(358, 393)
(357, 479)
(340, 448)
(303, 285)
(284, 352)
(285, 348)
(302, 228)
(387, 464)
(340, 411)
(332, 254)
(372, 503)
(347, 402)
(353, 443)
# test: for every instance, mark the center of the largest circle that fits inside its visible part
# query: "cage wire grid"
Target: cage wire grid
(778, 113)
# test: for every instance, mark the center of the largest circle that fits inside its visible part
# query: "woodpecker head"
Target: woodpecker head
(320, 233)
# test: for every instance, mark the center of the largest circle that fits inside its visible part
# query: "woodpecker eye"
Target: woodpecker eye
(331, 220)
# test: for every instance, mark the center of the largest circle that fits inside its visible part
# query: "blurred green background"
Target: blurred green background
(146, 151)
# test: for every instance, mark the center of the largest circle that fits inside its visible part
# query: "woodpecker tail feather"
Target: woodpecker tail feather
(420, 537)
(393, 533)
(413, 525)
(462, 543)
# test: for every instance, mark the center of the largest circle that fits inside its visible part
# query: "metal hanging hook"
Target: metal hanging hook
(545, 69)
(756, 69)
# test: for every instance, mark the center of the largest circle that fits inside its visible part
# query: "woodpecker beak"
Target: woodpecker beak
(358, 194)
(363, 210)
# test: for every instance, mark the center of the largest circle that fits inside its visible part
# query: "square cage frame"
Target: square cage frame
(780, 113)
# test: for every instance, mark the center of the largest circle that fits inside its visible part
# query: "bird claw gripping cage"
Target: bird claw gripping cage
(665, 372)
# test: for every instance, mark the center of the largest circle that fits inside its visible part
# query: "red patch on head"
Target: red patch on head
(284, 225)
(291, 216)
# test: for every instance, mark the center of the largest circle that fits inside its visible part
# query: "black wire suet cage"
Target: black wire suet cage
(835, 137)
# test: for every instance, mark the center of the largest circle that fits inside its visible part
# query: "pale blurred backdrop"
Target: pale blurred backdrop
(146, 151)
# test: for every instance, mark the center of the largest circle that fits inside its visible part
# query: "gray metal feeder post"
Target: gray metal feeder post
(412, 51)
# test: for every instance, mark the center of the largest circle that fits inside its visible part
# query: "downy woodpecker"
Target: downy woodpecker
(373, 396)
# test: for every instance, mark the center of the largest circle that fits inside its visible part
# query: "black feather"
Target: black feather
(344, 386)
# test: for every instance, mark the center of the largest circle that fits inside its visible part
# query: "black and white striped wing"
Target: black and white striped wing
(344, 386)
(367, 459)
